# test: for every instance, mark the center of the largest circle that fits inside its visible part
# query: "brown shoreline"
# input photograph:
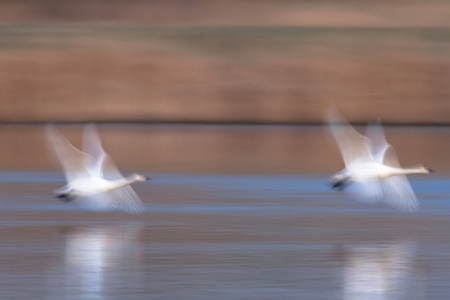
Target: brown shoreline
(220, 149)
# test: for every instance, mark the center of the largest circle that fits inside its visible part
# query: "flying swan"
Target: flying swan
(372, 164)
(92, 177)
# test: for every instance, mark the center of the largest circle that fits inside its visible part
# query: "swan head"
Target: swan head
(140, 177)
(428, 170)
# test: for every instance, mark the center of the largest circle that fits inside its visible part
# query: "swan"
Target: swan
(92, 177)
(371, 163)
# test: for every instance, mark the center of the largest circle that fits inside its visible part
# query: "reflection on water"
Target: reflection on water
(91, 255)
(380, 272)
(223, 237)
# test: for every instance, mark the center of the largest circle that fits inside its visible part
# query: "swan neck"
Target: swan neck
(124, 181)
(418, 170)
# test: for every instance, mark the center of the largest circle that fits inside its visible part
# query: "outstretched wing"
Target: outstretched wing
(399, 194)
(369, 192)
(93, 147)
(102, 165)
(72, 160)
(124, 199)
(99, 162)
(353, 145)
(397, 191)
(381, 150)
(394, 191)
(378, 144)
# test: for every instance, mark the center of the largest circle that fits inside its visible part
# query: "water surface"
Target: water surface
(223, 237)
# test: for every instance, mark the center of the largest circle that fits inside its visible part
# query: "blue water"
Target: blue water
(223, 237)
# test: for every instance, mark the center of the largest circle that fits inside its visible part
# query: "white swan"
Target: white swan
(372, 164)
(92, 176)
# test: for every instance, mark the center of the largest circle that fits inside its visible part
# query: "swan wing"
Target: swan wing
(353, 145)
(369, 192)
(123, 199)
(100, 163)
(381, 150)
(110, 170)
(378, 144)
(126, 199)
(399, 194)
(97, 202)
(92, 146)
(72, 160)
(390, 157)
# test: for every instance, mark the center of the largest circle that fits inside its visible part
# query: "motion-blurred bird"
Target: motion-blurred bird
(92, 177)
(372, 164)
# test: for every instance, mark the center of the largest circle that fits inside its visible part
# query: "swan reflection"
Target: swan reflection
(93, 253)
(380, 272)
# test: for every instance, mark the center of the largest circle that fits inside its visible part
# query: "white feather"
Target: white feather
(92, 177)
(372, 164)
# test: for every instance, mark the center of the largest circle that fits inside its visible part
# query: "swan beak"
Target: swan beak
(147, 178)
(430, 170)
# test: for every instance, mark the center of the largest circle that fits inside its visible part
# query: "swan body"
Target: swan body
(92, 176)
(371, 163)
(373, 171)
(95, 185)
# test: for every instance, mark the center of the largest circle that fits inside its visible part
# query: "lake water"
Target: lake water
(223, 237)
(231, 213)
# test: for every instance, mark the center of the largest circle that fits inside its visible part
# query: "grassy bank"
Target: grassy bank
(260, 74)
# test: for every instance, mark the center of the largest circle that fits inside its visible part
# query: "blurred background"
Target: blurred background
(205, 62)
(222, 104)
